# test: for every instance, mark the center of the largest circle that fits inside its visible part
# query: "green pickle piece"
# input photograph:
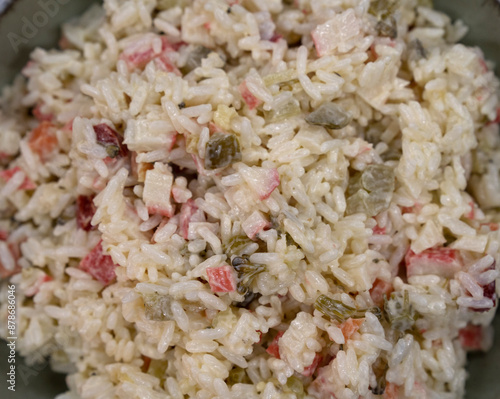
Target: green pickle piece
(238, 376)
(339, 311)
(329, 115)
(222, 150)
(295, 385)
(288, 110)
(157, 307)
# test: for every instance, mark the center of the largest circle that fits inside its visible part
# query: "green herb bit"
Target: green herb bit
(387, 27)
(296, 386)
(157, 307)
(399, 311)
(329, 115)
(337, 310)
(112, 150)
(222, 150)
(246, 273)
(238, 376)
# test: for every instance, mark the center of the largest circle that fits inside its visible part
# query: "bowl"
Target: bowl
(25, 25)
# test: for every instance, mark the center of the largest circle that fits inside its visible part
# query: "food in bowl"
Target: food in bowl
(253, 200)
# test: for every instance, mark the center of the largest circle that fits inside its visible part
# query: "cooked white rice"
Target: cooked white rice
(304, 204)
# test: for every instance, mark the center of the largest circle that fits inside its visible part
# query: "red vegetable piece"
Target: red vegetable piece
(248, 97)
(309, 370)
(110, 139)
(378, 290)
(43, 140)
(222, 278)
(99, 265)
(85, 212)
(27, 183)
(444, 262)
(273, 349)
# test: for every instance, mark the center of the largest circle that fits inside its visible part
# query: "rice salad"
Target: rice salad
(253, 199)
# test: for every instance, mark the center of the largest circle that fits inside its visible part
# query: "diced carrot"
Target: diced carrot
(350, 326)
(222, 278)
(43, 140)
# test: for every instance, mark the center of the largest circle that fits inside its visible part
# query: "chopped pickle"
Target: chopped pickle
(329, 115)
(296, 386)
(194, 58)
(237, 244)
(250, 296)
(416, 50)
(280, 77)
(246, 273)
(378, 177)
(157, 307)
(399, 312)
(387, 27)
(222, 150)
(291, 108)
(238, 376)
(337, 310)
(371, 191)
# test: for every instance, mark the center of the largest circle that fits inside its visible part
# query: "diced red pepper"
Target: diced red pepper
(380, 289)
(309, 370)
(85, 212)
(43, 140)
(444, 262)
(188, 209)
(472, 338)
(248, 97)
(99, 265)
(350, 326)
(27, 183)
(108, 137)
(273, 349)
(222, 278)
